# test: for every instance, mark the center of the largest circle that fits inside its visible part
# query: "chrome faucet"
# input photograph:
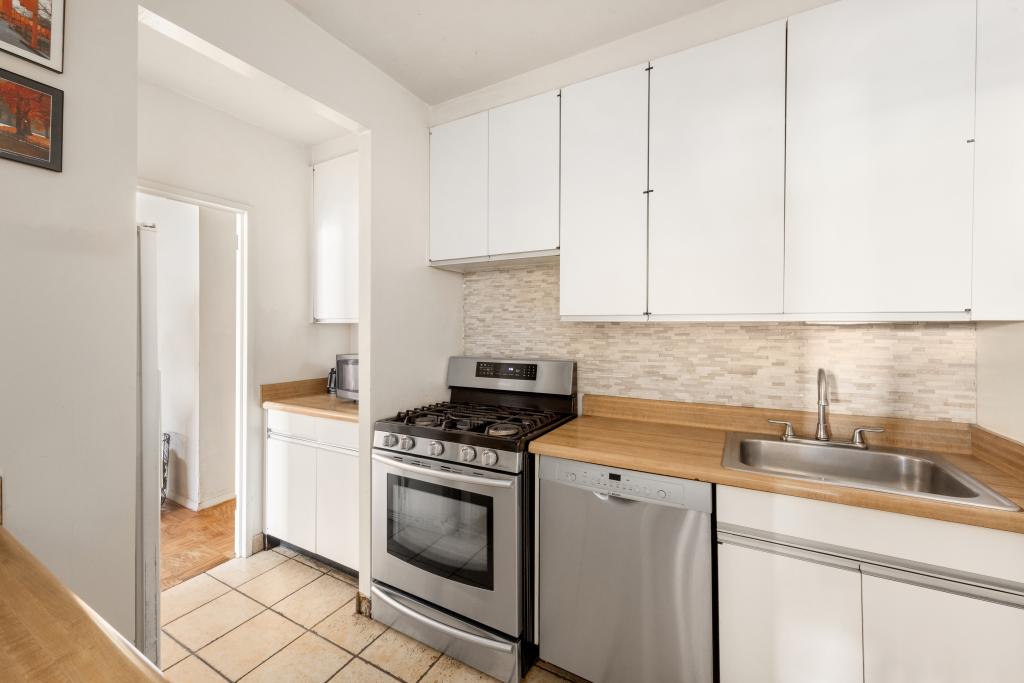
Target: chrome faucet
(823, 432)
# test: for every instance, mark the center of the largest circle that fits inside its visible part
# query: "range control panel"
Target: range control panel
(527, 371)
(694, 495)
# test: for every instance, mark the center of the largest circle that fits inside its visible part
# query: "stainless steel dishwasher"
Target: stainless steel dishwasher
(624, 564)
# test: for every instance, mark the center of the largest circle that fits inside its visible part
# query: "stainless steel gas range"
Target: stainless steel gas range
(453, 510)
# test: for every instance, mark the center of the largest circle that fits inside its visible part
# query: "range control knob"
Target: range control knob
(436, 448)
(467, 454)
(489, 458)
(661, 493)
(407, 443)
(390, 440)
(572, 476)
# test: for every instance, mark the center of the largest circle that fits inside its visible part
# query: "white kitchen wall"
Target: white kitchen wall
(410, 315)
(178, 335)
(1001, 378)
(68, 341)
(217, 239)
(922, 371)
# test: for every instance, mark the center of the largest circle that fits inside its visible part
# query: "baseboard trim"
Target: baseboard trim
(217, 501)
(183, 501)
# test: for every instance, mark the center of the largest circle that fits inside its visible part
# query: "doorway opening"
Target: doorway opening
(193, 384)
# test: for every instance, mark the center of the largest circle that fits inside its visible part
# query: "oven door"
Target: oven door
(451, 537)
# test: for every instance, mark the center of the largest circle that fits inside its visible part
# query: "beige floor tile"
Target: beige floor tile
(192, 670)
(314, 602)
(239, 570)
(539, 675)
(315, 564)
(358, 671)
(279, 582)
(188, 595)
(212, 620)
(287, 552)
(310, 659)
(349, 630)
(170, 652)
(448, 670)
(252, 643)
(346, 577)
(400, 655)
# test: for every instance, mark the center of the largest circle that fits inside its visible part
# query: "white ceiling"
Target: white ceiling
(440, 49)
(181, 62)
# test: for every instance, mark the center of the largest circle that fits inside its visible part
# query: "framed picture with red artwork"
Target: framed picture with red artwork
(34, 30)
(31, 121)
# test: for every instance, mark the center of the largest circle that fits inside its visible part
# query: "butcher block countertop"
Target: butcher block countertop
(48, 634)
(308, 397)
(686, 440)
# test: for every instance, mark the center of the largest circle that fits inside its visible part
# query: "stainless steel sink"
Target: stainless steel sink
(909, 473)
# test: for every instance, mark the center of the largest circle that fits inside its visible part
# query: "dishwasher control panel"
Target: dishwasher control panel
(628, 484)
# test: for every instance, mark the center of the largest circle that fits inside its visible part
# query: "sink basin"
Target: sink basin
(917, 474)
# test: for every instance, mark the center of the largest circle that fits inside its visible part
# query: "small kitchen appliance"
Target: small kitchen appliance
(453, 508)
(347, 376)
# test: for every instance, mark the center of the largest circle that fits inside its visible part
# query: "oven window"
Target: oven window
(443, 530)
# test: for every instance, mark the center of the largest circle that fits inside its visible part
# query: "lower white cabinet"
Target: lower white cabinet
(786, 619)
(337, 505)
(312, 485)
(290, 506)
(913, 633)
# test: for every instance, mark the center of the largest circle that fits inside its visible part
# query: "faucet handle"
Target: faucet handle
(789, 434)
(858, 435)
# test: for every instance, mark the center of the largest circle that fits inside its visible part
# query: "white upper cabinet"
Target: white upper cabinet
(879, 165)
(458, 189)
(336, 240)
(604, 208)
(999, 163)
(718, 144)
(523, 177)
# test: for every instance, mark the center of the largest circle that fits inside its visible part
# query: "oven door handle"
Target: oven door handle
(444, 628)
(450, 476)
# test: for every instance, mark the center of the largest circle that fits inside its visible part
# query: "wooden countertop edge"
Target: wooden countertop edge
(49, 633)
(295, 405)
(682, 449)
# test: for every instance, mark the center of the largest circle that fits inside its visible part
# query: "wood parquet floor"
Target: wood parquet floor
(192, 542)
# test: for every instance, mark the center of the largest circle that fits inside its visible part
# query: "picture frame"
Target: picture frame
(34, 31)
(31, 122)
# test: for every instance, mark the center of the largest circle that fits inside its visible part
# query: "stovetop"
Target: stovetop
(477, 418)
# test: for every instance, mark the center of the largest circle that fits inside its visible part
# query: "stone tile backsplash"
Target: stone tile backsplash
(920, 370)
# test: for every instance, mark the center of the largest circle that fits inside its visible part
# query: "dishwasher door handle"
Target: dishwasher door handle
(606, 497)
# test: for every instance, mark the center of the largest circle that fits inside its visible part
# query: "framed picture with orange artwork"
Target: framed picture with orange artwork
(34, 30)
(31, 121)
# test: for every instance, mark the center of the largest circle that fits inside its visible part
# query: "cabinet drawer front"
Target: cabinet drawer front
(337, 433)
(291, 424)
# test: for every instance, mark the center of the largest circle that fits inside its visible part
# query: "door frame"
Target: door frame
(147, 630)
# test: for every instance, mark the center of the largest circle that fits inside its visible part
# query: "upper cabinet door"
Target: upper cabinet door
(336, 239)
(718, 145)
(604, 208)
(879, 164)
(999, 163)
(523, 178)
(458, 189)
